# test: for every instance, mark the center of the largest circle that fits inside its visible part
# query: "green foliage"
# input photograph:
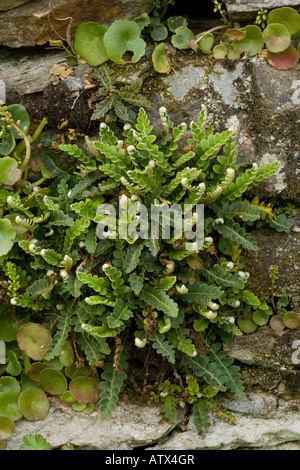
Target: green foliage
(35, 442)
(201, 417)
(116, 100)
(14, 126)
(88, 43)
(113, 375)
(79, 302)
(160, 61)
(273, 30)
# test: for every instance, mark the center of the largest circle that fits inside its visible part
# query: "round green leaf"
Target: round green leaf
(33, 372)
(9, 171)
(9, 404)
(7, 236)
(206, 43)
(295, 36)
(34, 339)
(276, 323)
(66, 355)
(286, 16)
(235, 34)
(8, 325)
(252, 42)
(291, 320)
(142, 20)
(123, 36)
(260, 317)
(79, 406)
(181, 37)
(34, 404)
(175, 22)
(13, 364)
(54, 363)
(67, 397)
(246, 325)
(73, 371)
(159, 33)
(88, 43)
(219, 51)
(26, 382)
(7, 427)
(89, 409)
(7, 143)
(19, 113)
(85, 389)
(276, 37)
(233, 52)
(284, 60)
(9, 383)
(53, 381)
(160, 61)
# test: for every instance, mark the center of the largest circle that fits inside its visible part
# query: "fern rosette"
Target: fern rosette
(102, 278)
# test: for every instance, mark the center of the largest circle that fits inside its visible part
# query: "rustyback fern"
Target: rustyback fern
(126, 288)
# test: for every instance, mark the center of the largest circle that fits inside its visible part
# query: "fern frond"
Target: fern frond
(159, 300)
(63, 329)
(99, 284)
(198, 127)
(220, 276)
(115, 276)
(203, 293)
(170, 408)
(209, 148)
(136, 282)
(201, 417)
(133, 256)
(228, 374)
(162, 346)
(120, 314)
(250, 178)
(242, 209)
(80, 226)
(237, 234)
(225, 415)
(112, 381)
(94, 348)
(76, 152)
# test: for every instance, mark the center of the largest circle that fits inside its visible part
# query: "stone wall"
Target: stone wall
(245, 10)
(35, 22)
(262, 104)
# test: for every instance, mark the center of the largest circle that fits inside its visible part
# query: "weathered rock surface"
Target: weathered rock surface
(263, 422)
(129, 426)
(244, 10)
(265, 348)
(283, 250)
(31, 73)
(40, 20)
(250, 432)
(9, 4)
